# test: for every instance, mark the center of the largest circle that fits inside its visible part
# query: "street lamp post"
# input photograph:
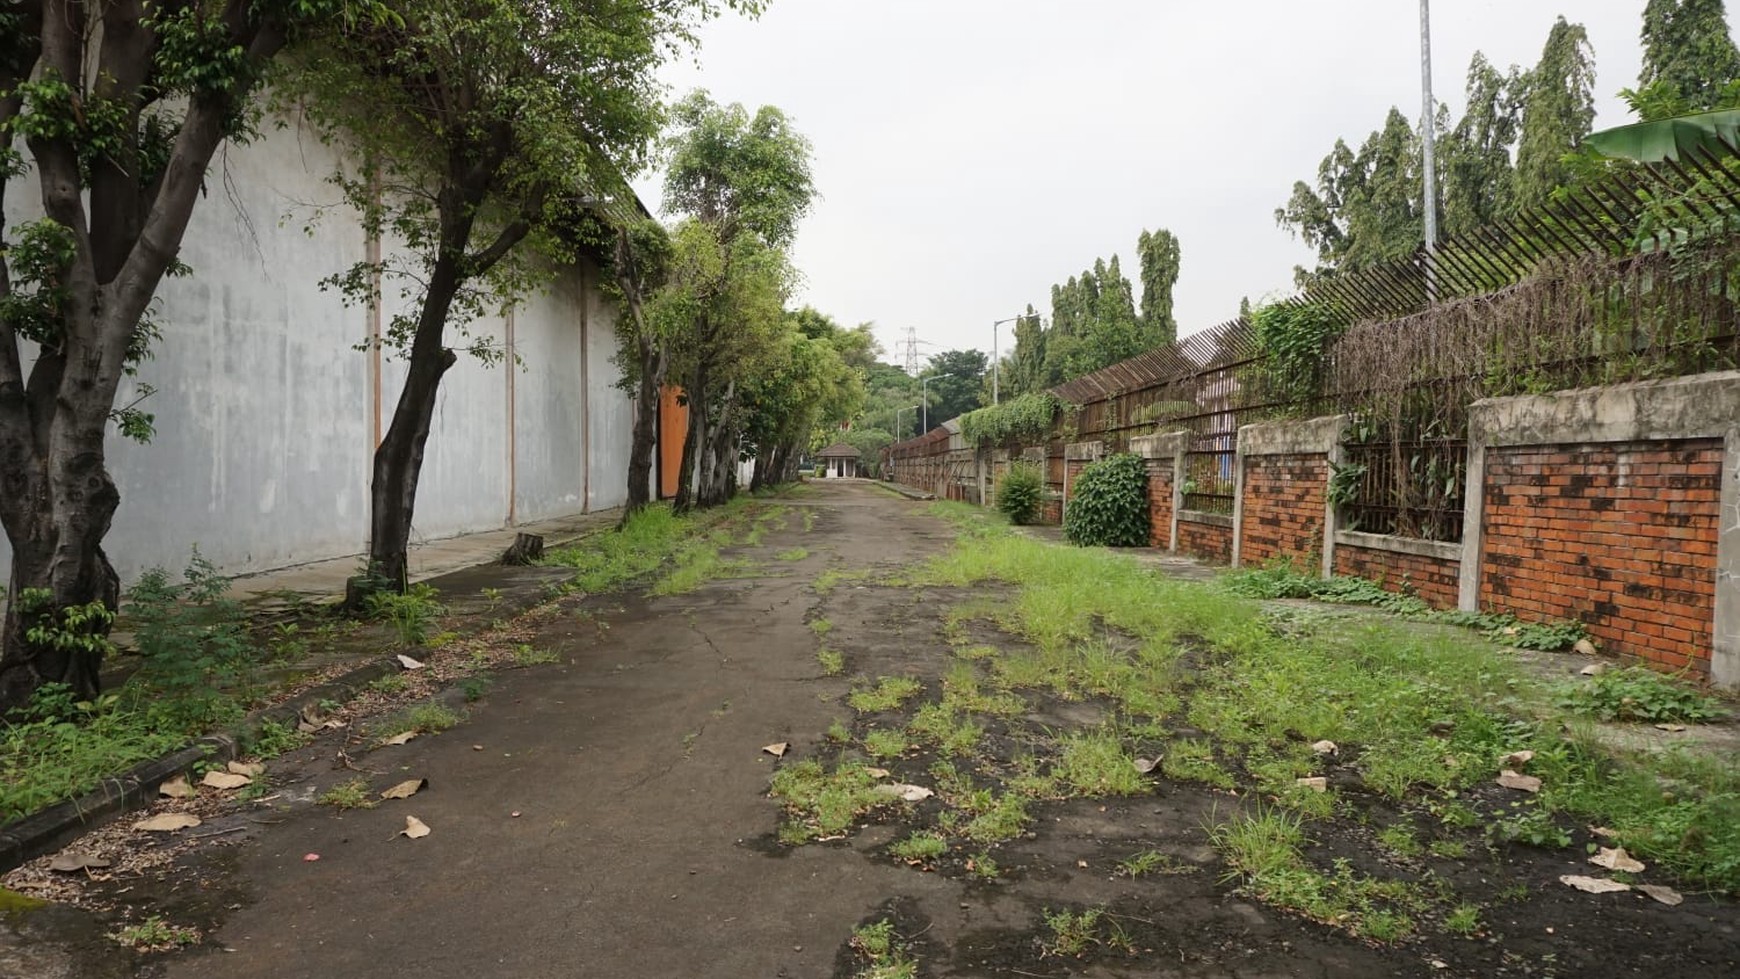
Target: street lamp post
(924, 395)
(1429, 193)
(897, 412)
(996, 361)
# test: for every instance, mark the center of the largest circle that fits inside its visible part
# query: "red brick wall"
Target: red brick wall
(1160, 503)
(1073, 468)
(1208, 541)
(1621, 537)
(1434, 579)
(1051, 512)
(1283, 508)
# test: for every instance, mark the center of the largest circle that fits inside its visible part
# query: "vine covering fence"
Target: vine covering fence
(1630, 277)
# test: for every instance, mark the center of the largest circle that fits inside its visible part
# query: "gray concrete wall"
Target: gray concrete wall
(264, 409)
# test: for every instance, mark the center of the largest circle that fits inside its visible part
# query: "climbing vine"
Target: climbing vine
(1028, 417)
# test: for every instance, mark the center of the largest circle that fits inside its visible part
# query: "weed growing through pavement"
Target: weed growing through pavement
(881, 953)
(832, 661)
(1074, 933)
(889, 693)
(353, 794)
(155, 935)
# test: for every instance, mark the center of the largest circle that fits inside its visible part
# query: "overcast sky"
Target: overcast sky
(970, 153)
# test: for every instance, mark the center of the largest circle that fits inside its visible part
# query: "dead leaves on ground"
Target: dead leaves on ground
(167, 822)
(415, 828)
(406, 789)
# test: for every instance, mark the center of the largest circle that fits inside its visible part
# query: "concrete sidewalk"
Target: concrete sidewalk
(322, 580)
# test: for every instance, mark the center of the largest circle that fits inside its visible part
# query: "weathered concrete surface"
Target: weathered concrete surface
(639, 850)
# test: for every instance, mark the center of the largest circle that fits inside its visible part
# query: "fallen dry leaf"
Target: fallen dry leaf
(1082, 864)
(876, 772)
(1146, 765)
(406, 789)
(167, 822)
(1324, 747)
(777, 749)
(415, 828)
(1593, 885)
(1665, 895)
(73, 861)
(225, 780)
(1316, 783)
(904, 792)
(1518, 759)
(1615, 858)
(409, 663)
(1523, 783)
(1584, 647)
(1593, 669)
(176, 788)
(251, 769)
(1603, 832)
(399, 738)
(1671, 728)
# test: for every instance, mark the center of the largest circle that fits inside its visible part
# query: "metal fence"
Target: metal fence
(1408, 488)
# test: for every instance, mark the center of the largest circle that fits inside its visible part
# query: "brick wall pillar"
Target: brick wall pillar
(1165, 455)
(1280, 490)
(1076, 457)
(1616, 506)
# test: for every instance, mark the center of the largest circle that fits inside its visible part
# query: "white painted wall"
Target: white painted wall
(264, 409)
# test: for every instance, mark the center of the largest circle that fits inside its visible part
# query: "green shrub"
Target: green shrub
(1019, 494)
(1108, 505)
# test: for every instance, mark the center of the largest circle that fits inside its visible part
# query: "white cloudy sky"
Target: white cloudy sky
(970, 153)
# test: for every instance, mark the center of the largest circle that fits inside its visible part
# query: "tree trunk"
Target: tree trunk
(645, 437)
(398, 463)
(697, 395)
(720, 457)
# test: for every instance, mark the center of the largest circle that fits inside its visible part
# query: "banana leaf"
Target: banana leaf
(1716, 133)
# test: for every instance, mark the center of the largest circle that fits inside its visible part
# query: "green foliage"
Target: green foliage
(1689, 60)
(1639, 694)
(1557, 113)
(890, 692)
(1530, 824)
(191, 637)
(1074, 933)
(410, 614)
(58, 747)
(823, 803)
(1020, 492)
(1025, 418)
(1294, 338)
(1108, 505)
(1364, 209)
(1158, 252)
(1093, 316)
(921, 848)
(352, 794)
(883, 954)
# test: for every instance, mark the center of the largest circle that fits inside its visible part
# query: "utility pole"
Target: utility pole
(1428, 137)
(997, 361)
(924, 396)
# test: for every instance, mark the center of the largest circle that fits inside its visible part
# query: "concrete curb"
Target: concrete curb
(47, 830)
(909, 492)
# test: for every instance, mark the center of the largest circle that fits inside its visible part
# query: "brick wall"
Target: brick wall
(1051, 512)
(1160, 502)
(1074, 468)
(1283, 508)
(1208, 541)
(1434, 579)
(1618, 536)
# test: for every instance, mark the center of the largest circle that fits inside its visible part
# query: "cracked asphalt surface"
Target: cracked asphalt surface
(636, 772)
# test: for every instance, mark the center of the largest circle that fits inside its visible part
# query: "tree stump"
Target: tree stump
(526, 549)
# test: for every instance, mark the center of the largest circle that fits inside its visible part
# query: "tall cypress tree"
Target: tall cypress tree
(1158, 256)
(1690, 62)
(1474, 158)
(1557, 113)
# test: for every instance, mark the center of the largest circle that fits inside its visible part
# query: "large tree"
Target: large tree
(484, 125)
(1557, 113)
(647, 318)
(120, 106)
(1690, 63)
(1157, 253)
(956, 378)
(1365, 207)
(1477, 177)
(747, 179)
